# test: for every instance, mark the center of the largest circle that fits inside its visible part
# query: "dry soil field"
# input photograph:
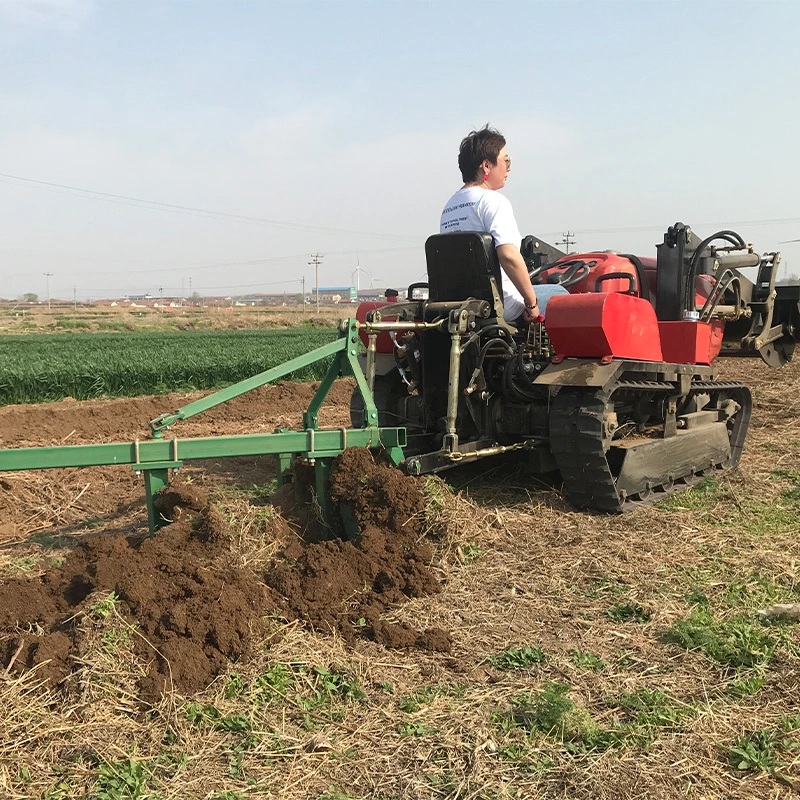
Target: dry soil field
(479, 640)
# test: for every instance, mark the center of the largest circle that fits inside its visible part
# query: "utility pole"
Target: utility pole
(303, 298)
(569, 238)
(48, 275)
(160, 299)
(75, 297)
(316, 258)
(190, 289)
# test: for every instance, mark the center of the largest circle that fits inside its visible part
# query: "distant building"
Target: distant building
(334, 294)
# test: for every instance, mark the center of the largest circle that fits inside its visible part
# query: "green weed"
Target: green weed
(114, 639)
(121, 780)
(733, 643)
(745, 684)
(273, 683)
(551, 712)
(755, 751)
(525, 760)
(435, 491)
(334, 794)
(587, 660)
(756, 590)
(23, 563)
(237, 753)
(790, 722)
(200, 715)
(104, 608)
(652, 708)
(517, 657)
(416, 728)
(412, 703)
(628, 612)
(470, 552)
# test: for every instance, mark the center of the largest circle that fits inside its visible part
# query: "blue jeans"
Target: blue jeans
(544, 292)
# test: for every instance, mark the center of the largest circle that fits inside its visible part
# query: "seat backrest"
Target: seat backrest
(464, 264)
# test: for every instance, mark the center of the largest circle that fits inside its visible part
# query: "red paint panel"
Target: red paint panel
(687, 342)
(384, 343)
(603, 324)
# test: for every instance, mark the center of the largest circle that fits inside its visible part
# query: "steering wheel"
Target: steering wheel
(534, 273)
(573, 272)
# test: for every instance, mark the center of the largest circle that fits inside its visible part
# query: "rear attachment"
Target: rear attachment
(155, 459)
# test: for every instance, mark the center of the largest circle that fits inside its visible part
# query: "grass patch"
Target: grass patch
(763, 751)
(122, 780)
(307, 689)
(737, 642)
(745, 684)
(517, 657)
(552, 713)
(587, 660)
(411, 703)
(628, 612)
(698, 498)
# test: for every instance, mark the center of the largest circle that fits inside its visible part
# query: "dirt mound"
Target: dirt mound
(347, 586)
(196, 609)
(180, 588)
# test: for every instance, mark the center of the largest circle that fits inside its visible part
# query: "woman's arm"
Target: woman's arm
(514, 266)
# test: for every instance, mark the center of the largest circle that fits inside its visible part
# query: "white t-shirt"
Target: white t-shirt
(488, 211)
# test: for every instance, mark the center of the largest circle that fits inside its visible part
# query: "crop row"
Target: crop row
(40, 368)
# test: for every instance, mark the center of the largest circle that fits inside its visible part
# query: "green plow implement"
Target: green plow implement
(155, 457)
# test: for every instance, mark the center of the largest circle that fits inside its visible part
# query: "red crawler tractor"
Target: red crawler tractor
(616, 389)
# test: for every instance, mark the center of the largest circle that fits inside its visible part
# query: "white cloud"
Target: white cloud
(58, 14)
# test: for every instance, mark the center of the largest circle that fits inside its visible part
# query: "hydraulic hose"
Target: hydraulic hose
(717, 293)
(689, 300)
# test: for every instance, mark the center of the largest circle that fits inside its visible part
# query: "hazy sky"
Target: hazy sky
(258, 133)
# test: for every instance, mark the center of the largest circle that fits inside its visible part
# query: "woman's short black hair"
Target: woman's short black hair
(477, 147)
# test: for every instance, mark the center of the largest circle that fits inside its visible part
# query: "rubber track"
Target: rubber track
(579, 446)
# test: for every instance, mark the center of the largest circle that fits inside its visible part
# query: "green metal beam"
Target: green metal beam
(157, 453)
(158, 425)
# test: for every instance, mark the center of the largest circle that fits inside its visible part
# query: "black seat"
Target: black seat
(464, 264)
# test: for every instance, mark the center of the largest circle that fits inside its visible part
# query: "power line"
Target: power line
(647, 228)
(122, 199)
(252, 262)
(243, 218)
